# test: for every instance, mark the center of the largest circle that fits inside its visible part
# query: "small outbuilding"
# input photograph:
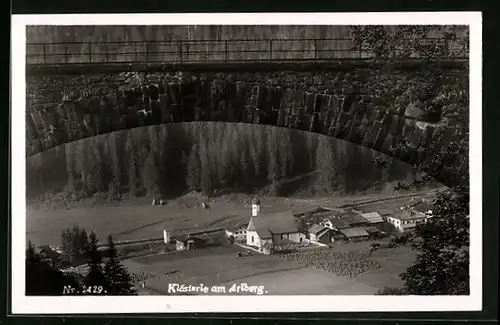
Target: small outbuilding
(354, 219)
(185, 243)
(373, 218)
(320, 234)
(355, 234)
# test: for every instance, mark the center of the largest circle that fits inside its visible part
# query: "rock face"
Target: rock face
(366, 106)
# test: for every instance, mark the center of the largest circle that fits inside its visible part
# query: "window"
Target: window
(252, 239)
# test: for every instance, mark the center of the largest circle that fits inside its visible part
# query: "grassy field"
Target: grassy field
(277, 275)
(222, 267)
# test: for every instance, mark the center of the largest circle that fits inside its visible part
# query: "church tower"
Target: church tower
(255, 206)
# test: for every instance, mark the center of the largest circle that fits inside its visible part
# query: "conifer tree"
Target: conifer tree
(194, 168)
(95, 275)
(42, 277)
(118, 279)
(132, 164)
(150, 174)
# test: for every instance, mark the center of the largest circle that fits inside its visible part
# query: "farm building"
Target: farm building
(374, 219)
(320, 234)
(337, 236)
(272, 228)
(354, 220)
(372, 231)
(355, 234)
(424, 208)
(186, 242)
(335, 224)
(239, 232)
(406, 220)
(315, 216)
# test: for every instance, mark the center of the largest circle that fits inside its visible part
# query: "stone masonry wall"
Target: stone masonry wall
(377, 109)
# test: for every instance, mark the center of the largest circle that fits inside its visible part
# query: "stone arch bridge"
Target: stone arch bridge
(404, 112)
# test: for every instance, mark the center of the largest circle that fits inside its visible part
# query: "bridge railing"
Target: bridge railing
(207, 51)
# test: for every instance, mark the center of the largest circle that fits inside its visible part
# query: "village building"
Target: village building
(355, 234)
(423, 208)
(406, 220)
(372, 231)
(353, 219)
(239, 232)
(271, 229)
(187, 242)
(320, 234)
(374, 219)
(335, 224)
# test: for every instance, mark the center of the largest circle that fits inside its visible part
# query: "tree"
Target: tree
(74, 242)
(42, 277)
(151, 175)
(194, 168)
(403, 42)
(130, 152)
(95, 275)
(325, 163)
(442, 243)
(118, 279)
(442, 265)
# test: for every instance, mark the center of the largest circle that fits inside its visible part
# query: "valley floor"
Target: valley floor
(140, 220)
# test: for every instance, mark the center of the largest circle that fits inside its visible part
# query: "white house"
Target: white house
(239, 232)
(406, 220)
(320, 234)
(423, 208)
(335, 224)
(272, 229)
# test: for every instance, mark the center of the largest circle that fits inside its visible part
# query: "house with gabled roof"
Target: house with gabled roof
(423, 208)
(355, 234)
(353, 219)
(406, 220)
(320, 234)
(272, 228)
(373, 218)
(335, 224)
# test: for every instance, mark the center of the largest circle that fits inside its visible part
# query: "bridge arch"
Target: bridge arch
(363, 105)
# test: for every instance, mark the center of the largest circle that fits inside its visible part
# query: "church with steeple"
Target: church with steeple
(271, 229)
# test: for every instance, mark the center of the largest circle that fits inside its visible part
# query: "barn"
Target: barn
(355, 234)
(320, 234)
(187, 242)
(354, 220)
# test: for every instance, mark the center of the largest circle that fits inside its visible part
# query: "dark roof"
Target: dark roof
(354, 219)
(339, 223)
(354, 232)
(237, 228)
(371, 229)
(184, 238)
(314, 229)
(406, 214)
(276, 223)
(372, 217)
(323, 232)
(422, 207)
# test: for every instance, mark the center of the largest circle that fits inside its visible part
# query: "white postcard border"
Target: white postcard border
(22, 304)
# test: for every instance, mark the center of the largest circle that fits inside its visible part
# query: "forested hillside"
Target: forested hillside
(171, 159)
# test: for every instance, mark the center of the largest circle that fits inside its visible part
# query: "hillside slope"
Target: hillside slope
(169, 160)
